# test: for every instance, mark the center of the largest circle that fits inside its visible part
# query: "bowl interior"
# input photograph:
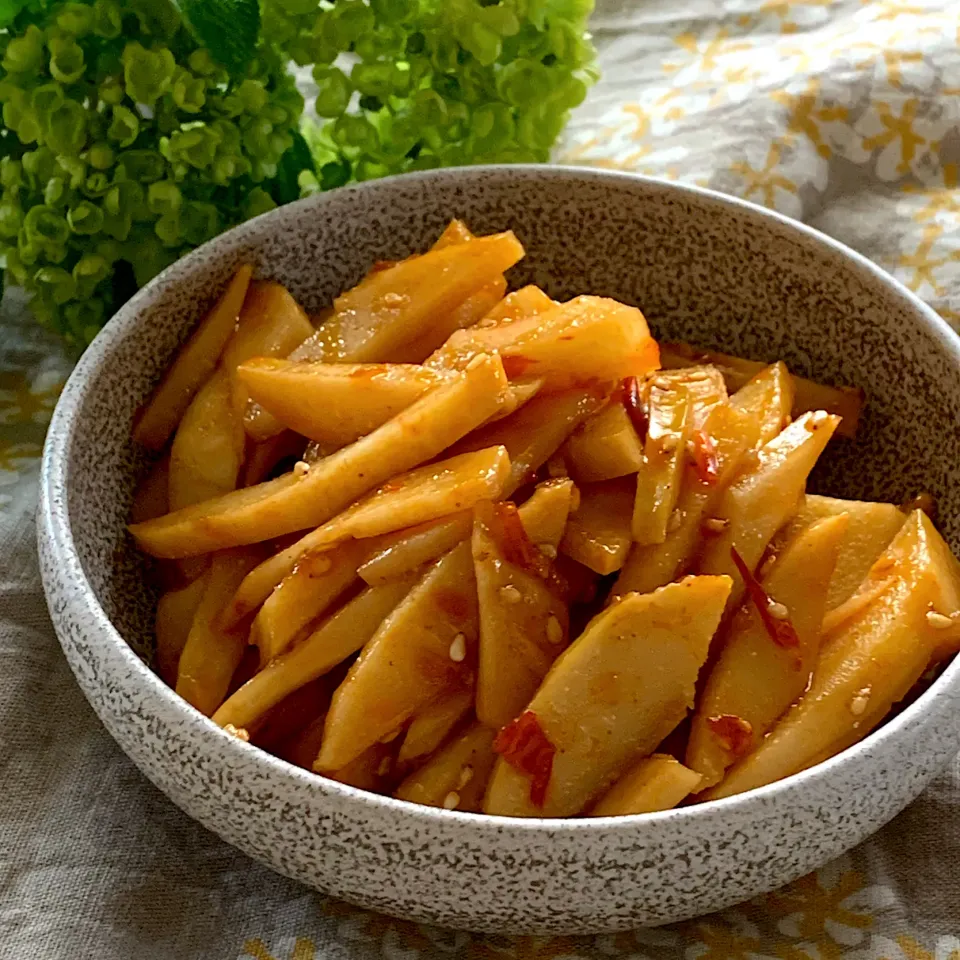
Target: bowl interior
(703, 269)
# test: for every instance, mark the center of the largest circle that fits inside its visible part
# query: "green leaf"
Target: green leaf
(229, 29)
(285, 187)
(9, 9)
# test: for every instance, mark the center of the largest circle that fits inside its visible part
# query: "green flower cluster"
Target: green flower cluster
(126, 141)
(125, 144)
(414, 84)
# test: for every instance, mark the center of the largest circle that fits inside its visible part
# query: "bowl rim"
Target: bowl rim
(54, 517)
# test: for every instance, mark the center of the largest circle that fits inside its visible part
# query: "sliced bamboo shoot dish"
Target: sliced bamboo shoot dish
(490, 552)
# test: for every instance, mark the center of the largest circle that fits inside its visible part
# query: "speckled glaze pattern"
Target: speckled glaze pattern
(704, 268)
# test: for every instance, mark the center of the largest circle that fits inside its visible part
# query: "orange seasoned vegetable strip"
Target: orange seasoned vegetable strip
(768, 396)
(410, 549)
(763, 668)
(331, 643)
(334, 403)
(516, 312)
(604, 447)
(208, 449)
(845, 402)
(868, 667)
(318, 582)
(870, 529)
(431, 727)
(436, 490)
(296, 502)
(615, 693)
(394, 307)
(175, 613)
(657, 488)
(760, 502)
(655, 783)
(652, 565)
(536, 431)
(545, 512)
(408, 661)
(212, 654)
(587, 338)
(194, 363)
(454, 778)
(470, 312)
(524, 624)
(598, 531)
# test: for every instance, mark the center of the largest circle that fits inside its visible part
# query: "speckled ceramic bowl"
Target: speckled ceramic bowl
(704, 268)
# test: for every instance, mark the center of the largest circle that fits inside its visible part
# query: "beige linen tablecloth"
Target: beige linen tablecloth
(844, 114)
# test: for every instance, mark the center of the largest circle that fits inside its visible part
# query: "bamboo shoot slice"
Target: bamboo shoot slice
(653, 565)
(604, 447)
(598, 531)
(523, 624)
(413, 658)
(614, 694)
(455, 778)
(768, 396)
(334, 403)
(211, 653)
(432, 726)
(764, 499)
(871, 528)
(867, 668)
(845, 402)
(655, 783)
(754, 680)
(330, 644)
(293, 502)
(194, 364)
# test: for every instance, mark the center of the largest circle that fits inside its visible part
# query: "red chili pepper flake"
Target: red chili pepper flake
(779, 628)
(524, 745)
(516, 366)
(705, 462)
(735, 733)
(633, 404)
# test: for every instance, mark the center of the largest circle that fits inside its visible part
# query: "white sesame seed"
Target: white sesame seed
(548, 550)
(510, 594)
(391, 736)
(466, 775)
(939, 621)
(384, 767)
(451, 800)
(393, 299)
(554, 631)
(321, 563)
(674, 522)
(301, 468)
(239, 732)
(477, 361)
(715, 524)
(778, 610)
(669, 442)
(766, 566)
(860, 700)
(458, 649)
